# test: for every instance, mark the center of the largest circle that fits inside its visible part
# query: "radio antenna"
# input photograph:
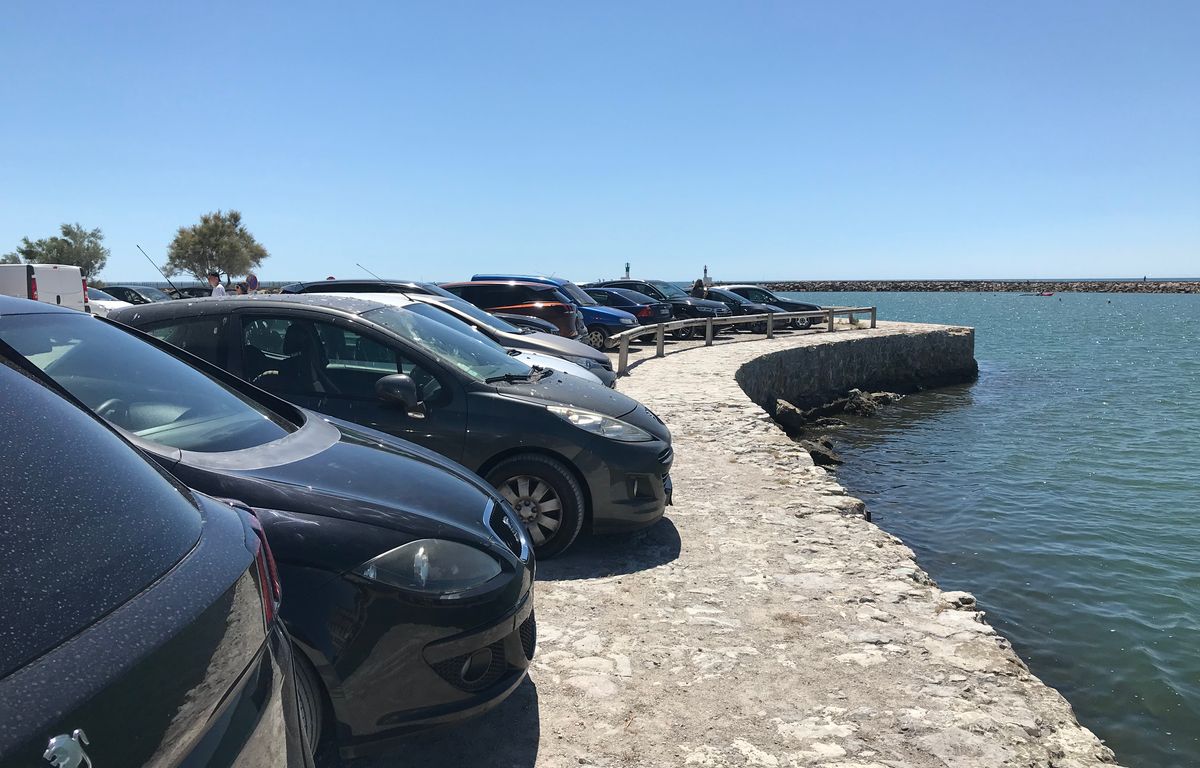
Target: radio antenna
(164, 275)
(369, 272)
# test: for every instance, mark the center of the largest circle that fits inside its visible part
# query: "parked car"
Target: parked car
(522, 298)
(102, 303)
(562, 452)
(761, 295)
(136, 294)
(410, 578)
(682, 305)
(139, 619)
(600, 321)
(739, 305)
(365, 286)
(448, 319)
(533, 324)
(58, 284)
(512, 337)
(648, 311)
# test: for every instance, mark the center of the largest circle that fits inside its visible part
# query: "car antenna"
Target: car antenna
(369, 272)
(173, 288)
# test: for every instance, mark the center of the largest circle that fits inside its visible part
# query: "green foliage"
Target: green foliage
(75, 246)
(219, 243)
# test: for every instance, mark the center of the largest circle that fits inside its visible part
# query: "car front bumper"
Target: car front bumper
(630, 485)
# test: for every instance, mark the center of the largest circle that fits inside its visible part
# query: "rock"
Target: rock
(822, 454)
(789, 417)
(860, 403)
(827, 422)
(886, 398)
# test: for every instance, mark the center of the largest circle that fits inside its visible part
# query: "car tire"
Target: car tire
(310, 701)
(597, 338)
(759, 327)
(685, 333)
(530, 482)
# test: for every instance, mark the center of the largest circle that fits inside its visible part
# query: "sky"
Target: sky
(766, 140)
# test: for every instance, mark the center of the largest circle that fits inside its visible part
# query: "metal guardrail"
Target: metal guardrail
(711, 323)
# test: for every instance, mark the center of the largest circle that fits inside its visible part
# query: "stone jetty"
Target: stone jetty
(989, 286)
(765, 622)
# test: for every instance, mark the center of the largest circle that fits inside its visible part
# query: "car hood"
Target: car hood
(558, 365)
(365, 476)
(564, 390)
(692, 301)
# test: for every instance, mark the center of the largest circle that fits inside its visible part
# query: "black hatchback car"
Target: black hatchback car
(563, 452)
(138, 625)
(410, 580)
(683, 306)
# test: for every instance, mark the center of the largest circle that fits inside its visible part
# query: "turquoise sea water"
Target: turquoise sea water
(1063, 490)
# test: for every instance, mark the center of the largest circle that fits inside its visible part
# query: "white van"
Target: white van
(52, 283)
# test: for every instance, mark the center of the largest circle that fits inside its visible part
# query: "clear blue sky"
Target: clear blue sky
(789, 139)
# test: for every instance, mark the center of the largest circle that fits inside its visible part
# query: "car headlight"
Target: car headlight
(628, 321)
(599, 424)
(431, 566)
(706, 310)
(583, 362)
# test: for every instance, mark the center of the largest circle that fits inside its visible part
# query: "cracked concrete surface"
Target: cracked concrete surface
(764, 622)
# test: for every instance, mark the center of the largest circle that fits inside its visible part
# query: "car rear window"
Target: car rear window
(85, 522)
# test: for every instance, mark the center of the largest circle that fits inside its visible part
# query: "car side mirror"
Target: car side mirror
(401, 390)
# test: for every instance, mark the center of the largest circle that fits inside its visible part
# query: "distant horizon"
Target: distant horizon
(158, 281)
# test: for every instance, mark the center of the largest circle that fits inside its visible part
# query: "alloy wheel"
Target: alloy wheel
(536, 503)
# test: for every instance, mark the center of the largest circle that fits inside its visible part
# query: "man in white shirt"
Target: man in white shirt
(215, 281)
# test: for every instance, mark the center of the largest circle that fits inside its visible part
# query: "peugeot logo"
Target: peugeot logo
(65, 751)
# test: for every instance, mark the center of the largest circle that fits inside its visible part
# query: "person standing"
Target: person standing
(698, 289)
(214, 280)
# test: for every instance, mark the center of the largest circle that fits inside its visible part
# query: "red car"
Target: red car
(520, 298)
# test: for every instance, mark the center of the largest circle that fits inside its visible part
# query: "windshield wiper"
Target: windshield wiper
(508, 378)
(514, 352)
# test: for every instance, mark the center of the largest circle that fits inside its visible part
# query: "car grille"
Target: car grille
(528, 630)
(451, 670)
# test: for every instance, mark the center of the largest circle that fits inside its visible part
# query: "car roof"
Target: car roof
(10, 305)
(525, 283)
(556, 281)
(628, 293)
(333, 284)
(346, 302)
(731, 286)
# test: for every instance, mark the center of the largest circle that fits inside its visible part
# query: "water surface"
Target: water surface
(1063, 490)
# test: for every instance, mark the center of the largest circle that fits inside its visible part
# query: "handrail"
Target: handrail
(660, 329)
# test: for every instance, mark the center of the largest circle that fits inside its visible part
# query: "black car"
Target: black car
(739, 305)
(410, 579)
(138, 622)
(648, 311)
(136, 294)
(366, 286)
(761, 295)
(563, 451)
(682, 305)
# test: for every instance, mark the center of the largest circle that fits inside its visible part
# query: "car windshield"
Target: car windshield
(95, 294)
(669, 290)
(577, 294)
(478, 315)
(452, 322)
(760, 295)
(153, 294)
(479, 358)
(140, 388)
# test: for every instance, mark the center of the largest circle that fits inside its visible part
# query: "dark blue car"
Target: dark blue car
(601, 322)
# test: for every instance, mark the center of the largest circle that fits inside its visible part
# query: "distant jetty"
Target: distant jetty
(989, 286)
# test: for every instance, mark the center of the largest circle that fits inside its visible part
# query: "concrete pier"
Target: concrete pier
(764, 622)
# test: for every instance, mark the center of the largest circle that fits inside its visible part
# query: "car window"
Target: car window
(669, 290)
(357, 361)
(758, 295)
(478, 315)
(140, 388)
(86, 522)
(577, 294)
(601, 298)
(153, 294)
(95, 294)
(468, 353)
(204, 337)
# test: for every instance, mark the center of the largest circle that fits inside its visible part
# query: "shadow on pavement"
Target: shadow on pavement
(506, 737)
(614, 554)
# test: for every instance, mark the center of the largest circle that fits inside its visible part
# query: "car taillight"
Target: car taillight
(645, 312)
(33, 288)
(268, 575)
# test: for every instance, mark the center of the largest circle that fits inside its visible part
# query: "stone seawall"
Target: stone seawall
(809, 376)
(990, 286)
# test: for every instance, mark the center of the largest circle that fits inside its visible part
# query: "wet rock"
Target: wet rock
(821, 451)
(886, 398)
(789, 417)
(860, 403)
(827, 422)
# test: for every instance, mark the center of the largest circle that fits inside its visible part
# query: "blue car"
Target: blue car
(601, 322)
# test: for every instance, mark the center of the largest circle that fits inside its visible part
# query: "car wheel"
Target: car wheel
(685, 333)
(310, 700)
(597, 337)
(759, 328)
(547, 498)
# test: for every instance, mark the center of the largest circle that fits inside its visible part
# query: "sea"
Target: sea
(1062, 489)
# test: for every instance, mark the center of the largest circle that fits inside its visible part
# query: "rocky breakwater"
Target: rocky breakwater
(989, 286)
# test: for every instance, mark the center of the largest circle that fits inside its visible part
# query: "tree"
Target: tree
(76, 246)
(219, 243)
